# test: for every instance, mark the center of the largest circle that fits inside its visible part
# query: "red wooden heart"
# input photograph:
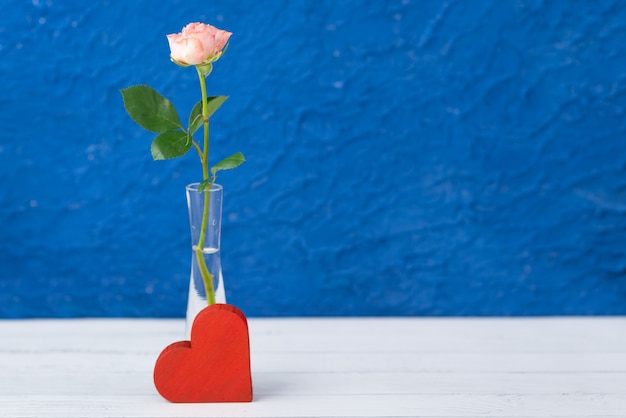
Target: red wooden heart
(214, 366)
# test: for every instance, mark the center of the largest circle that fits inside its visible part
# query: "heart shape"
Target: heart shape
(214, 366)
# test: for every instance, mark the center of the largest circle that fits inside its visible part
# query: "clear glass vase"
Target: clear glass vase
(197, 299)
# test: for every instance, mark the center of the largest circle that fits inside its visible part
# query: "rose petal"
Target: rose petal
(197, 43)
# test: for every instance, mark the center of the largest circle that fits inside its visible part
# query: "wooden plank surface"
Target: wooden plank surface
(351, 367)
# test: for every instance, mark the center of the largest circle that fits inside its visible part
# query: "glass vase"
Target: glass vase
(210, 250)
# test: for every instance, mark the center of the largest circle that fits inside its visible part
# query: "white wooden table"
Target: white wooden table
(411, 367)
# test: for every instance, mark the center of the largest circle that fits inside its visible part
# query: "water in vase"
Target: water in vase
(197, 299)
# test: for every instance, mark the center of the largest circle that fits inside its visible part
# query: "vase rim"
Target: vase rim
(193, 187)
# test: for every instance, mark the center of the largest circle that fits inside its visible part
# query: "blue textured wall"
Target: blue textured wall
(404, 157)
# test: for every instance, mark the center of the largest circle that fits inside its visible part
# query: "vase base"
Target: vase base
(197, 302)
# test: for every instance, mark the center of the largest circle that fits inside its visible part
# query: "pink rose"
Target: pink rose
(197, 44)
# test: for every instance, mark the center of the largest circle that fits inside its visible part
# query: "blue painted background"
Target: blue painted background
(404, 158)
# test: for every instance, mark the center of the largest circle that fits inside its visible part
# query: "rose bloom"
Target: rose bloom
(198, 43)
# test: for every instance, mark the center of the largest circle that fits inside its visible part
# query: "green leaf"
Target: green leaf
(228, 163)
(195, 118)
(204, 184)
(149, 109)
(170, 144)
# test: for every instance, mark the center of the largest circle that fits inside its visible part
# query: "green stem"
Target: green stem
(205, 117)
(207, 277)
(199, 151)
